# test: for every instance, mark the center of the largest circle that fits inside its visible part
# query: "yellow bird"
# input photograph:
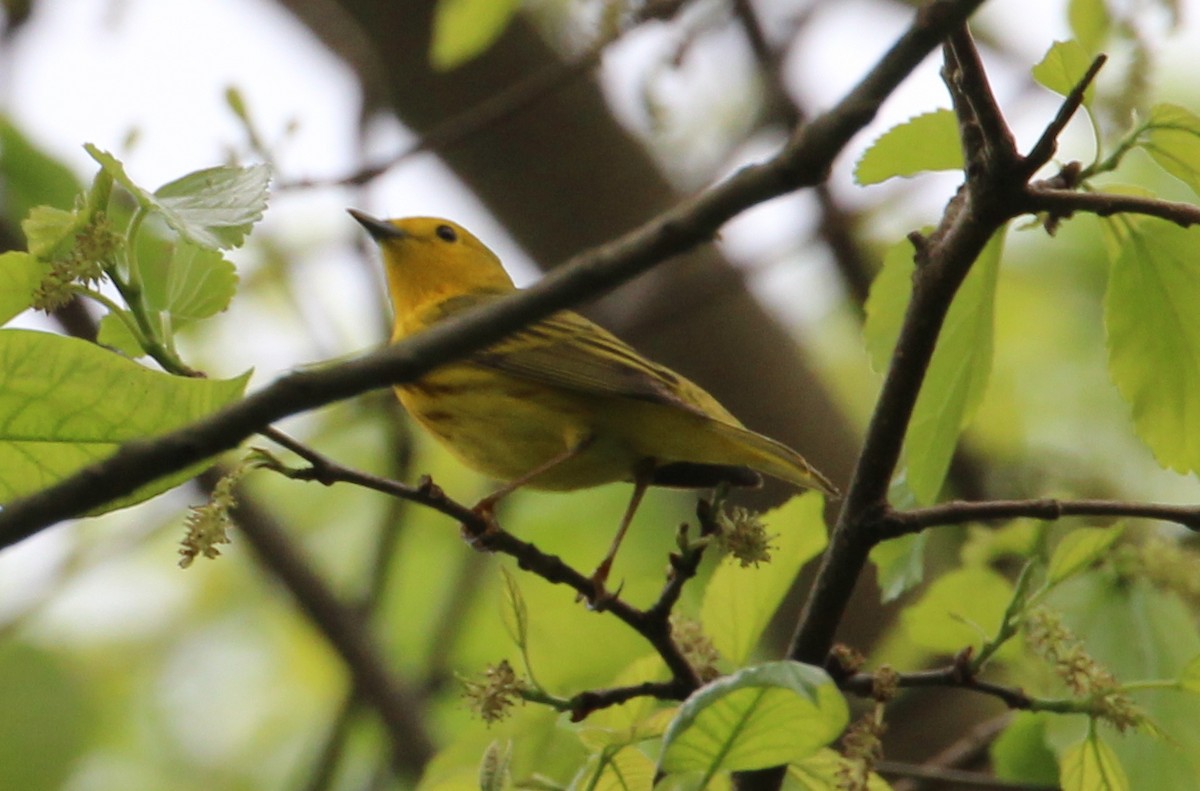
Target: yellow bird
(562, 404)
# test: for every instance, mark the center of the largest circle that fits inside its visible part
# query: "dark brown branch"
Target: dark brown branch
(862, 684)
(1047, 144)
(1064, 203)
(803, 162)
(902, 523)
(652, 624)
(585, 703)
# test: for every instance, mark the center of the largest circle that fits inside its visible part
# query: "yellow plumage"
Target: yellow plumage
(562, 404)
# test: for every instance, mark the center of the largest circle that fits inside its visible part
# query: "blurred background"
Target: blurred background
(119, 670)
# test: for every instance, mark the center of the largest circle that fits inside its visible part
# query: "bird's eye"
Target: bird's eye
(446, 233)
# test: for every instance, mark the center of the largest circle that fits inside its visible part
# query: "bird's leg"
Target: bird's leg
(642, 476)
(487, 506)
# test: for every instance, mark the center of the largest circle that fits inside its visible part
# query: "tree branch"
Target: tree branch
(804, 161)
(959, 512)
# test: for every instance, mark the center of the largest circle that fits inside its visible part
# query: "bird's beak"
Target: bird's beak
(379, 229)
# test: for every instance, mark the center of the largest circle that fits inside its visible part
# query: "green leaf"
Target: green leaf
(1172, 139)
(824, 770)
(213, 208)
(1063, 67)
(958, 373)
(513, 611)
(899, 565)
(1020, 753)
(48, 719)
(1091, 765)
(20, 274)
(761, 716)
(188, 281)
(925, 143)
(1189, 679)
(739, 602)
(960, 608)
(1080, 549)
(1090, 22)
(1154, 339)
(464, 29)
(65, 403)
(49, 231)
(30, 176)
(626, 770)
(115, 334)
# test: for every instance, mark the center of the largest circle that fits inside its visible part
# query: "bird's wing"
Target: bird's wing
(568, 351)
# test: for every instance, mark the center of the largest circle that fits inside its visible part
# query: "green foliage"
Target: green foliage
(957, 377)
(65, 403)
(1063, 68)
(1090, 22)
(30, 177)
(928, 142)
(739, 600)
(1172, 138)
(1153, 341)
(464, 29)
(760, 716)
(1091, 765)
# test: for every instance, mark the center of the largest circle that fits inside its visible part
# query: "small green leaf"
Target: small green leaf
(824, 770)
(957, 377)
(188, 281)
(1090, 22)
(1172, 139)
(1154, 339)
(761, 716)
(1063, 67)
(1079, 549)
(66, 403)
(1021, 754)
(925, 143)
(31, 177)
(1189, 679)
(961, 608)
(49, 231)
(20, 274)
(1091, 765)
(464, 29)
(115, 334)
(899, 565)
(626, 770)
(739, 601)
(213, 208)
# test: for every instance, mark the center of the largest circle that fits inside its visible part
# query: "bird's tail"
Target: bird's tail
(775, 459)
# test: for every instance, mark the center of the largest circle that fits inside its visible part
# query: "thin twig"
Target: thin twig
(960, 512)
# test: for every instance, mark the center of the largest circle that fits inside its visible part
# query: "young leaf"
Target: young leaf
(926, 143)
(1021, 754)
(1189, 679)
(825, 770)
(1090, 22)
(115, 334)
(65, 403)
(495, 770)
(957, 376)
(513, 611)
(1091, 765)
(959, 609)
(1079, 549)
(188, 281)
(1153, 340)
(1063, 67)
(739, 601)
(761, 716)
(30, 177)
(899, 565)
(1172, 139)
(212, 208)
(20, 274)
(464, 29)
(627, 769)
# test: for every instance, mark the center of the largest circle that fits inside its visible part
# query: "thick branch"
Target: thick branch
(1064, 203)
(803, 162)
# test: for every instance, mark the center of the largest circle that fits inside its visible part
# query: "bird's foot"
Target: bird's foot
(599, 597)
(478, 535)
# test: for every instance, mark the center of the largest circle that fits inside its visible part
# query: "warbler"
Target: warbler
(561, 404)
